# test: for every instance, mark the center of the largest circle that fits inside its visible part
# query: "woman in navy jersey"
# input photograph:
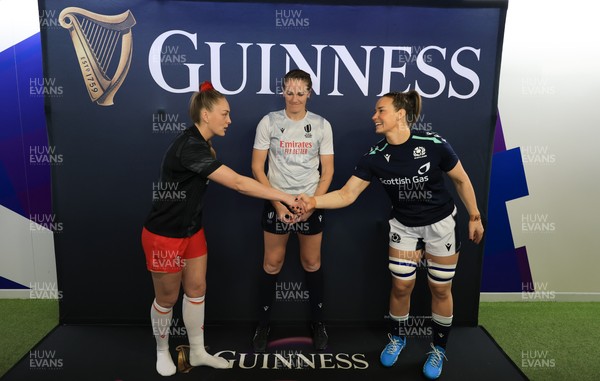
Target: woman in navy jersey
(410, 165)
(296, 142)
(173, 236)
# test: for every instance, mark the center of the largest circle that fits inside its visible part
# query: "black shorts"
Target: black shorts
(272, 224)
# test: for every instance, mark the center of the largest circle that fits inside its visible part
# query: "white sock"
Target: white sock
(161, 322)
(193, 318)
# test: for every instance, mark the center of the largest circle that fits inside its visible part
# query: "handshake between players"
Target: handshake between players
(300, 210)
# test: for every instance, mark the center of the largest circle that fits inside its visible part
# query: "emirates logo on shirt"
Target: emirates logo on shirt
(291, 147)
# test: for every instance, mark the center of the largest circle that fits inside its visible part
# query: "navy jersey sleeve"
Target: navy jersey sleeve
(196, 156)
(448, 158)
(363, 169)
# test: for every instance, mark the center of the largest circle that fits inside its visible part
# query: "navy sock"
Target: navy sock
(314, 284)
(266, 293)
(441, 329)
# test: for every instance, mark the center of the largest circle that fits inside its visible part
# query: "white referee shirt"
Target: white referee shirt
(294, 149)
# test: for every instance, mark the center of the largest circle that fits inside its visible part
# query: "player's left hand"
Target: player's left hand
(294, 206)
(476, 231)
(309, 204)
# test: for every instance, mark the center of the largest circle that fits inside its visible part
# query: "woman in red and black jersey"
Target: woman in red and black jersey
(173, 236)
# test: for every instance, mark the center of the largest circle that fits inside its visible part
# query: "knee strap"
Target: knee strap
(403, 268)
(440, 273)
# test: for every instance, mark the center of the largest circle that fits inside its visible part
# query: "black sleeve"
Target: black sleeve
(195, 155)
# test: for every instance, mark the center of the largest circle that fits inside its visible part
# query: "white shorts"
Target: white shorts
(439, 239)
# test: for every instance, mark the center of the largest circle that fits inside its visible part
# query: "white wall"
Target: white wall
(26, 248)
(549, 105)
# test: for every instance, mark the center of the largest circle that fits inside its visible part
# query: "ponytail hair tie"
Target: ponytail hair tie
(205, 86)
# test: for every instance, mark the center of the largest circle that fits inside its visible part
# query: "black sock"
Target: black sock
(266, 292)
(314, 284)
(441, 330)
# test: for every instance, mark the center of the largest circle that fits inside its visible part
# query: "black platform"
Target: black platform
(126, 353)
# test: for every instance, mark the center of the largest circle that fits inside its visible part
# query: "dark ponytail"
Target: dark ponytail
(410, 102)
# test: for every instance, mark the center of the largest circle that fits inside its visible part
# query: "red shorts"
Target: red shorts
(168, 255)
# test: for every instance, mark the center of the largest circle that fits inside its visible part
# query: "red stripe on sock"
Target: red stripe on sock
(159, 311)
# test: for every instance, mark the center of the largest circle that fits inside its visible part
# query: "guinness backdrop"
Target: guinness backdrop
(126, 71)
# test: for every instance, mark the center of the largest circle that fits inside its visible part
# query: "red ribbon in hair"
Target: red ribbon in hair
(205, 86)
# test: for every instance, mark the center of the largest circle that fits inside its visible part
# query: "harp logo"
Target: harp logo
(103, 45)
